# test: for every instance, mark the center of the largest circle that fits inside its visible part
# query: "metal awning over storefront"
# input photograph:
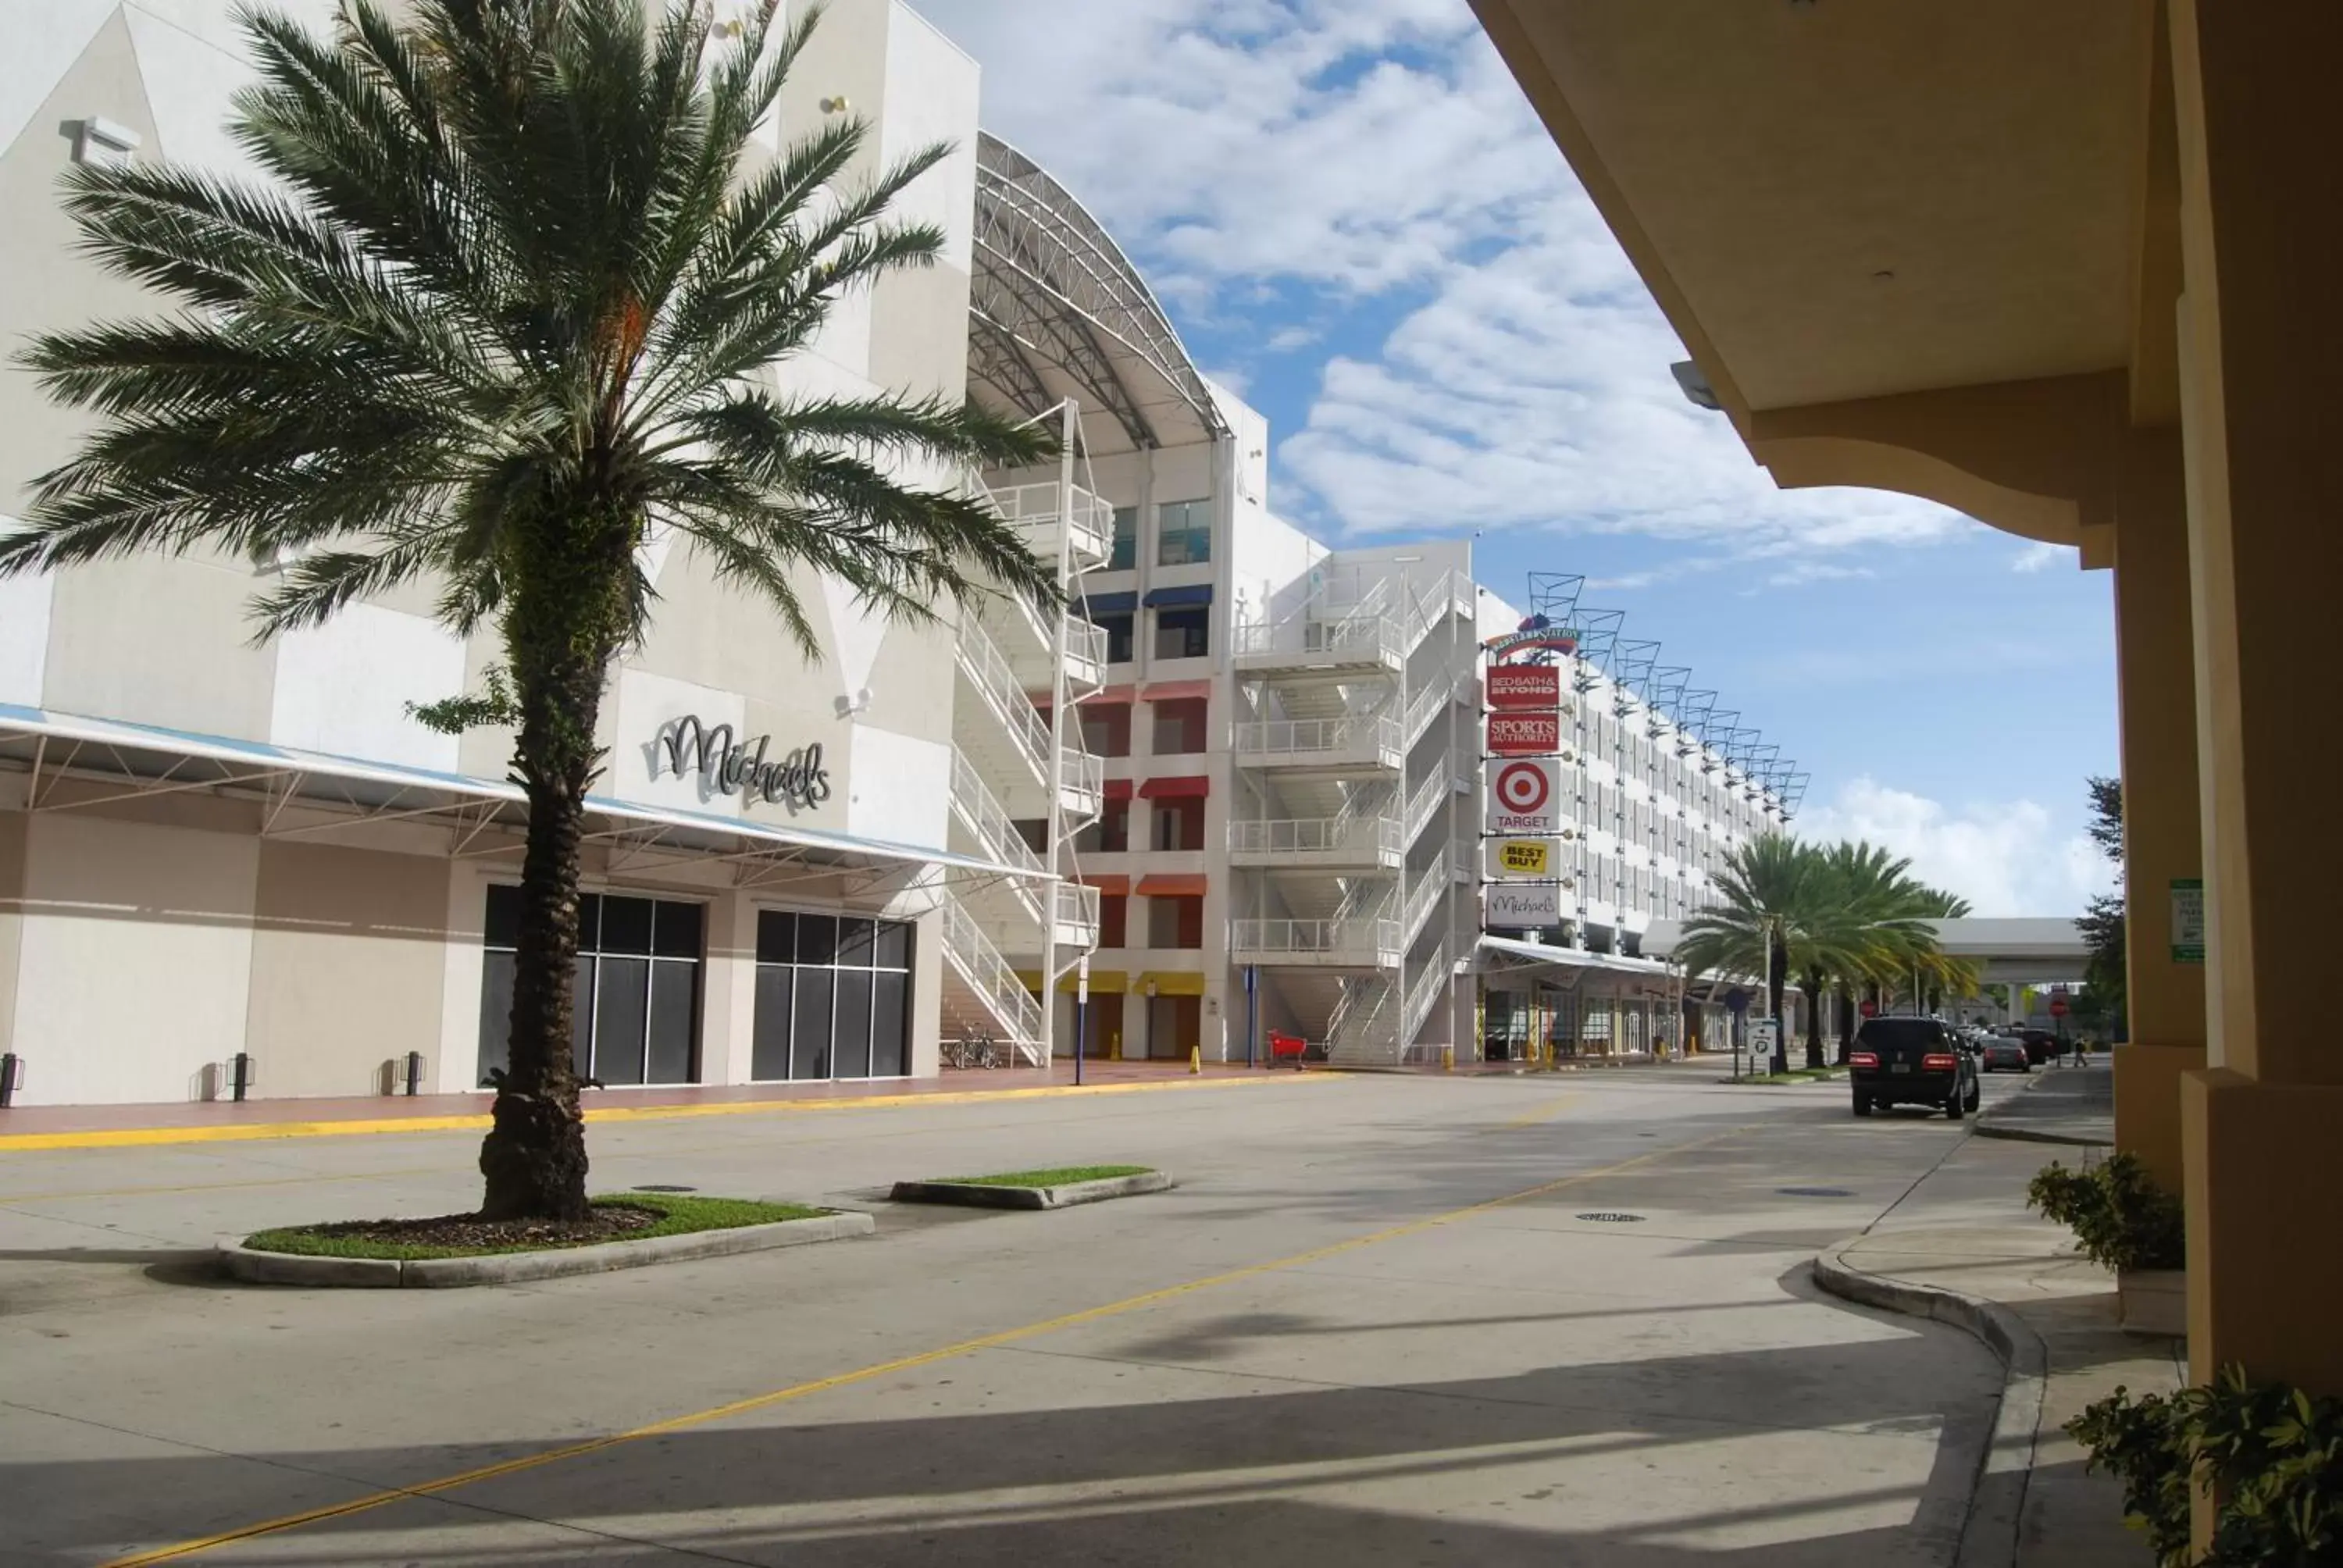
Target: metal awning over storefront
(1506, 955)
(70, 762)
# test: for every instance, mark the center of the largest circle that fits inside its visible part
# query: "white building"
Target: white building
(222, 862)
(1253, 761)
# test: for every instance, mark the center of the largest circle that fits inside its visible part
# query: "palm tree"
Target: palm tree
(1876, 892)
(511, 304)
(1775, 916)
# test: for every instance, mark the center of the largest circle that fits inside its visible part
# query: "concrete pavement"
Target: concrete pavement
(2064, 1104)
(1381, 1321)
(1962, 1247)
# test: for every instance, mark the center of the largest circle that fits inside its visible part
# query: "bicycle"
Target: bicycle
(972, 1050)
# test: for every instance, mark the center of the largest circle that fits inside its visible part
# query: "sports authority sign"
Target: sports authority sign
(1524, 734)
(1525, 798)
(1532, 686)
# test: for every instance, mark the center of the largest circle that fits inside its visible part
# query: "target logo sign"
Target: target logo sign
(1524, 797)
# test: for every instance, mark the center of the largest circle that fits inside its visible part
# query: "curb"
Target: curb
(2020, 1134)
(243, 1263)
(975, 1195)
(1989, 1526)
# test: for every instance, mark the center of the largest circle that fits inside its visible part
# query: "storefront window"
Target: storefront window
(635, 991)
(833, 997)
(1183, 633)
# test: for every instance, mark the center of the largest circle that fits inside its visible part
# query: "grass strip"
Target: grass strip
(678, 1215)
(1059, 1176)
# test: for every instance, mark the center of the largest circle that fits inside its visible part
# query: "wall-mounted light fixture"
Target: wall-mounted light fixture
(100, 142)
(860, 702)
(836, 105)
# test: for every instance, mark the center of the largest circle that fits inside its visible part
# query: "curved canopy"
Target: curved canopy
(1055, 311)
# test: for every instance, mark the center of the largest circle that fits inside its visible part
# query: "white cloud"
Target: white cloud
(1244, 149)
(2006, 857)
(2041, 557)
(1806, 572)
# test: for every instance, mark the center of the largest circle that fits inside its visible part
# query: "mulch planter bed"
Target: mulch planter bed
(628, 1217)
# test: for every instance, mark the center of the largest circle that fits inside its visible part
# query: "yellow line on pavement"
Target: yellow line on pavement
(253, 1131)
(884, 1369)
(1545, 1112)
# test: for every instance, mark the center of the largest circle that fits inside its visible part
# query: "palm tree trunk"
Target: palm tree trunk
(1813, 1022)
(534, 1157)
(1775, 983)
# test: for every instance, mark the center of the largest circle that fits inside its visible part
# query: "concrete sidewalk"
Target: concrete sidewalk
(1962, 1248)
(2067, 1104)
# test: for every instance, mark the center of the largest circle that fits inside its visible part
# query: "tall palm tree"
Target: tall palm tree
(1875, 888)
(512, 302)
(1775, 916)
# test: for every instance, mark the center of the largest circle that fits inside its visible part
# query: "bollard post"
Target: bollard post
(12, 1076)
(414, 1073)
(240, 1074)
(1447, 1059)
(1195, 1059)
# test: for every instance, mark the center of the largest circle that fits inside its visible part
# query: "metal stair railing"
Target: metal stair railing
(1090, 518)
(1301, 737)
(980, 964)
(1423, 899)
(1315, 835)
(989, 670)
(1364, 629)
(1420, 806)
(1370, 939)
(1424, 992)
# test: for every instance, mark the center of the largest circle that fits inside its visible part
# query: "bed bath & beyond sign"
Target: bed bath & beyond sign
(731, 768)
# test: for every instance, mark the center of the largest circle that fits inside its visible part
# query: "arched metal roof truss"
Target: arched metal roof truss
(1052, 299)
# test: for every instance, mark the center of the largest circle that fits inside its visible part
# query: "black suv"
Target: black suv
(1911, 1062)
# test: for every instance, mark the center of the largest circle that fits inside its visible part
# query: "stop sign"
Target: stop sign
(2057, 1007)
(1871, 1009)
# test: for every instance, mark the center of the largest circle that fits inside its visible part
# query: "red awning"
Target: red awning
(1179, 787)
(1174, 690)
(1113, 695)
(1172, 885)
(1119, 789)
(1110, 884)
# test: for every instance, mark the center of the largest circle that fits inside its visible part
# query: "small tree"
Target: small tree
(510, 305)
(2107, 975)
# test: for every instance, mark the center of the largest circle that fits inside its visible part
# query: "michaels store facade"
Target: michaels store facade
(222, 860)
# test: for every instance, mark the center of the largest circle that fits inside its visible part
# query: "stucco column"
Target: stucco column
(2156, 666)
(2262, 256)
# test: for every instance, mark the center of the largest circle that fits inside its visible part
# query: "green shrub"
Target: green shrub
(2273, 1456)
(2123, 1219)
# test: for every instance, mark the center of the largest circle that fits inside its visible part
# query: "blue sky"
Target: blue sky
(1353, 218)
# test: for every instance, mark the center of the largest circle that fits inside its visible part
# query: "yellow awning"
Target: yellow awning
(1172, 982)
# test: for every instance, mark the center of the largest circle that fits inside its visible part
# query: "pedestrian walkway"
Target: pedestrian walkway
(33, 1127)
(1963, 1248)
(2069, 1104)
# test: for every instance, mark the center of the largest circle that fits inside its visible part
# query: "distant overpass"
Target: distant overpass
(2028, 950)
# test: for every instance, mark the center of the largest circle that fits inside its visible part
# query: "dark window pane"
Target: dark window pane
(496, 1012)
(675, 1009)
(621, 1003)
(890, 1021)
(771, 1053)
(816, 939)
(581, 1017)
(776, 937)
(854, 943)
(810, 1026)
(589, 923)
(894, 945)
(502, 927)
(676, 930)
(853, 1031)
(626, 926)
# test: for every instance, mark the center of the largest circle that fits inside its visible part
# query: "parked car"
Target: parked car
(1911, 1062)
(2041, 1045)
(2001, 1051)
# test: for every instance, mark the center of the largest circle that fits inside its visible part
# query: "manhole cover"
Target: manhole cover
(1609, 1218)
(664, 1187)
(1813, 1191)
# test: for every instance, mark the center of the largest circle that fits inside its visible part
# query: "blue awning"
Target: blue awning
(1169, 597)
(1100, 604)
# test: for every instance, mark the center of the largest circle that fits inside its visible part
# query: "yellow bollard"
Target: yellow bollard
(1447, 1059)
(1195, 1059)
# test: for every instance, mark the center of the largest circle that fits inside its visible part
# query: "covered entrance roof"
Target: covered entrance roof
(74, 762)
(1840, 206)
